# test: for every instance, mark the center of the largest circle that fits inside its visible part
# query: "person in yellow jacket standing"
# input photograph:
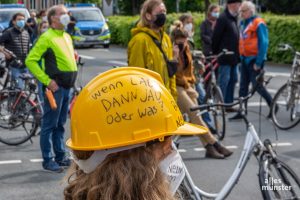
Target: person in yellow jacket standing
(147, 38)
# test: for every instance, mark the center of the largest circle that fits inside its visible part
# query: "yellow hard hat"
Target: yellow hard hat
(125, 106)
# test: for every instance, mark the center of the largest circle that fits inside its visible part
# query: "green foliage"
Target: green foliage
(120, 28)
(7, 1)
(283, 6)
(132, 7)
(193, 6)
(282, 29)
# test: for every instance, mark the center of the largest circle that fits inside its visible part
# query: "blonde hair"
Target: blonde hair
(126, 175)
(176, 24)
(147, 7)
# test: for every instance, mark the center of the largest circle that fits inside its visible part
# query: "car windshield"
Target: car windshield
(84, 15)
(6, 15)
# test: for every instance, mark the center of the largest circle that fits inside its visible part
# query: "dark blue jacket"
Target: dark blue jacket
(226, 36)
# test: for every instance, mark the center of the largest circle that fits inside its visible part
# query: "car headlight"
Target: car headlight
(77, 31)
(104, 31)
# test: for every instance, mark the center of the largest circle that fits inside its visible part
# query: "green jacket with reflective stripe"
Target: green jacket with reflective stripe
(56, 48)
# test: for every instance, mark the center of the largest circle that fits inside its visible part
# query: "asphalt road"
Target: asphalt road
(22, 177)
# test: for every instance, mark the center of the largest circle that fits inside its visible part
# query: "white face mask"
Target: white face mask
(64, 19)
(188, 27)
(172, 167)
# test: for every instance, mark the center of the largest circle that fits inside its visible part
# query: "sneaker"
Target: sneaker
(52, 166)
(237, 116)
(66, 162)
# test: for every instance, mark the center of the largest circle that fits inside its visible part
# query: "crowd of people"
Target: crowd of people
(116, 162)
(153, 49)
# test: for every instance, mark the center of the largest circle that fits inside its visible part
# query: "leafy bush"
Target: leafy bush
(282, 6)
(282, 29)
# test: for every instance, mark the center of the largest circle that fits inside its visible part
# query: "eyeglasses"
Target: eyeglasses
(244, 10)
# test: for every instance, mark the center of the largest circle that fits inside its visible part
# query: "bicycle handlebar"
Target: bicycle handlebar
(285, 47)
(223, 52)
(241, 100)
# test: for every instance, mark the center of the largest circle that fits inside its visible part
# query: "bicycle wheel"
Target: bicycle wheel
(184, 192)
(285, 102)
(20, 123)
(219, 113)
(277, 180)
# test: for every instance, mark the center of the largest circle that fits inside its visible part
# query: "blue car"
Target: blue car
(7, 11)
(91, 27)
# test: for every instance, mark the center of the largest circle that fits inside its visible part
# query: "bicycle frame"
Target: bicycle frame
(211, 66)
(251, 141)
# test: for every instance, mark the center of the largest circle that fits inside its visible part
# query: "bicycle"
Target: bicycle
(285, 108)
(213, 92)
(20, 109)
(270, 166)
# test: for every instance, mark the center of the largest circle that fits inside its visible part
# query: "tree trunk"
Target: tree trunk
(207, 3)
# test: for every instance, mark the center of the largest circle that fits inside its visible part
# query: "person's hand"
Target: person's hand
(256, 68)
(7, 55)
(53, 86)
(192, 93)
(175, 52)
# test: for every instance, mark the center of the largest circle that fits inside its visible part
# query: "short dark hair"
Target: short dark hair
(16, 15)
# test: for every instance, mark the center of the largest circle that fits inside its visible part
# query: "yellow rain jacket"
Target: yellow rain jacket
(143, 52)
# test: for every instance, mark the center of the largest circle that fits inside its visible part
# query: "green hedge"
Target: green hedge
(282, 29)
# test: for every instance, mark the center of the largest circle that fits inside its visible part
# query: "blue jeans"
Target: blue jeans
(249, 75)
(205, 116)
(52, 130)
(227, 78)
(15, 73)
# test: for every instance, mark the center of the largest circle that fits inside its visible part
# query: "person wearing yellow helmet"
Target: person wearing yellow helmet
(122, 148)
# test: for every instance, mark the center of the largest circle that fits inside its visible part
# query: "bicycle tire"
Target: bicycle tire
(19, 129)
(283, 106)
(219, 114)
(271, 170)
(184, 192)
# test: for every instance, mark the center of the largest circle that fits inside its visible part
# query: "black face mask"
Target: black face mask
(180, 46)
(160, 20)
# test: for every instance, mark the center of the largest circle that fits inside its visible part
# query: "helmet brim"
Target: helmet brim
(185, 129)
(190, 129)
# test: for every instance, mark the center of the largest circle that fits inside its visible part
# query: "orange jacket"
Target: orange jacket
(248, 44)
